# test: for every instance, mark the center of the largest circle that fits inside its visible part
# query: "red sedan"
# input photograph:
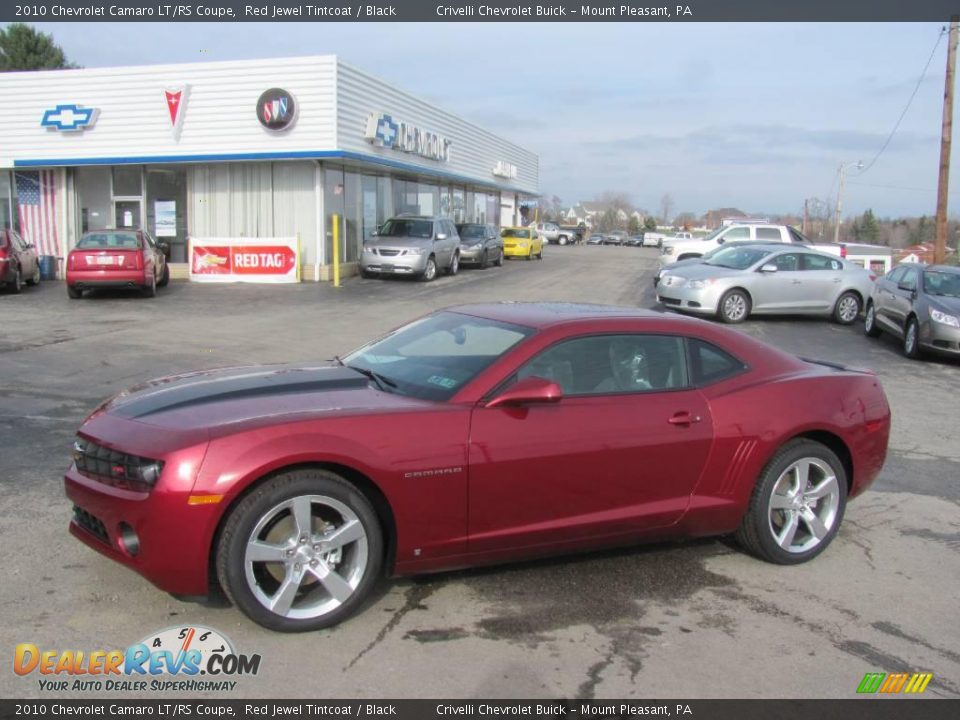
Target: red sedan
(117, 259)
(474, 435)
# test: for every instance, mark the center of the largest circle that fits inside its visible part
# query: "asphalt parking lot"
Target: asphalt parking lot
(689, 620)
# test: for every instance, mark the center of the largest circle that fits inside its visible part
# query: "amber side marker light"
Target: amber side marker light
(204, 499)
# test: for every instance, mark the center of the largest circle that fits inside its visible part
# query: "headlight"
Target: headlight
(942, 317)
(368, 250)
(667, 250)
(475, 246)
(415, 251)
(700, 284)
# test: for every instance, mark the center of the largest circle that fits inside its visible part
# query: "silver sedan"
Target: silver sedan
(768, 279)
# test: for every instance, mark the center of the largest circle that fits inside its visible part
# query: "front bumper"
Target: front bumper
(703, 301)
(940, 338)
(471, 255)
(395, 264)
(517, 250)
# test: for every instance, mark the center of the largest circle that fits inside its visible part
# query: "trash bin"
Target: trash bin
(48, 267)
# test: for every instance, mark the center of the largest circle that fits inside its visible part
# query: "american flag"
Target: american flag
(37, 206)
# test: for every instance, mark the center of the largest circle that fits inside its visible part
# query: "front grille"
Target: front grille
(669, 301)
(388, 253)
(91, 523)
(112, 467)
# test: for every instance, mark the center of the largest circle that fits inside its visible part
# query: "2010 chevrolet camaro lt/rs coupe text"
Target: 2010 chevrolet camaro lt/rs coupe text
(474, 435)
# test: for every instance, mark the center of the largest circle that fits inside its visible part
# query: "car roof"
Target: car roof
(952, 269)
(548, 314)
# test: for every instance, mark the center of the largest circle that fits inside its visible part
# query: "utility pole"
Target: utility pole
(946, 132)
(806, 215)
(836, 224)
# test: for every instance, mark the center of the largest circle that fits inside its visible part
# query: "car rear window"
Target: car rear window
(471, 231)
(515, 233)
(109, 241)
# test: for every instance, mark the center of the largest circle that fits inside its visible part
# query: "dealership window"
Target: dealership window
(7, 208)
(458, 205)
(333, 204)
(167, 208)
(94, 198)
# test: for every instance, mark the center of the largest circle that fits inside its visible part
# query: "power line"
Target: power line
(943, 31)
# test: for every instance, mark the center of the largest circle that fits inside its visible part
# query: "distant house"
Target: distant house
(922, 253)
(713, 218)
(587, 212)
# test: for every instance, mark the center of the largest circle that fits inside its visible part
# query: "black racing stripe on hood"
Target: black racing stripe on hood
(195, 392)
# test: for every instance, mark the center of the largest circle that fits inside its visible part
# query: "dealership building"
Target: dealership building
(244, 149)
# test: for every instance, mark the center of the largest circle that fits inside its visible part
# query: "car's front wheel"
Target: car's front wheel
(911, 339)
(562, 240)
(430, 270)
(797, 505)
(301, 551)
(734, 306)
(499, 261)
(454, 264)
(870, 328)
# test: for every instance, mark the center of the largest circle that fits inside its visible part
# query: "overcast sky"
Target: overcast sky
(749, 115)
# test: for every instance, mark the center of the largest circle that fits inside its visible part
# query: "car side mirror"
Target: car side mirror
(530, 390)
(768, 268)
(164, 247)
(720, 241)
(906, 287)
(441, 236)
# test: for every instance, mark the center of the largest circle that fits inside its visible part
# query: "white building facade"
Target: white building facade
(264, 148)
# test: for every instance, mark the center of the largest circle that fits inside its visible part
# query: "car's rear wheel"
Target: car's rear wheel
(911, 339)
(430, 271)
(74, 293)
(164, 276)
(35, 278)
(797, 505)
(17, 285)
(734, 306)
(454, 264)
(150, 289)
(847, 309)
(870, 328)
(301, 551)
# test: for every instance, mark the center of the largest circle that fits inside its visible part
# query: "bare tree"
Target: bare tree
(666, 208)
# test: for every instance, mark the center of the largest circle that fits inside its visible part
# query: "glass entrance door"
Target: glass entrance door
(126, 213)
(167, 208)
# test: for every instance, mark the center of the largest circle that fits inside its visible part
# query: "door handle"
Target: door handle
(683, 418)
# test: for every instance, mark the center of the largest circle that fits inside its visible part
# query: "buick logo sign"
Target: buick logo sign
(276, 109)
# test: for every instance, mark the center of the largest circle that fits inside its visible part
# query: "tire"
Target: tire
(540, 254)
(368, 274)
(35, 278)
(847, 309)
(784, 499)
(454, 264)
(307, 559)
(17, 285)
(150, 291)
(911, 339)
(430, 271)
(659, 244)
(74, 293)
(562, 240)
(734, 306)
(499, 261)
(164, 276)
(529, 256)
(870, 328)
(484, 261)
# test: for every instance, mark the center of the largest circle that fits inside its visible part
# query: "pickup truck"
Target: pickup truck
(571, 234)
(673, 250)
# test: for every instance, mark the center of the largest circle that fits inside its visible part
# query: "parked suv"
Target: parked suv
(480, 244)
(674, 249)
(18, 262)
(412, 245)
(920, 304)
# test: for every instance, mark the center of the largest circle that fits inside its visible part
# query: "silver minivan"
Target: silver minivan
(412, 245)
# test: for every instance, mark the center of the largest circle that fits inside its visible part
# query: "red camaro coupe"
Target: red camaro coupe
(474, 435)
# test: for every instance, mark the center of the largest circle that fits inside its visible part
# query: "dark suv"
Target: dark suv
(412, 245)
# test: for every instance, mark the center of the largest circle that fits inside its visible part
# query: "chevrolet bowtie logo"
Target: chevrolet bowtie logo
(69, 118)
(387, 130)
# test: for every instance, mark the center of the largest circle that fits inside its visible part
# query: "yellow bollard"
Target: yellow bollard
(336, 251)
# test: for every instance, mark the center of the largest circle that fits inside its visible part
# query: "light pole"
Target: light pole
(836, 225)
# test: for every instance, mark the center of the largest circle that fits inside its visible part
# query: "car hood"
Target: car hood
(251, 396)
(945, 304)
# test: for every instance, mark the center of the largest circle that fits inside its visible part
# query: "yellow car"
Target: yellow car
(522, 242)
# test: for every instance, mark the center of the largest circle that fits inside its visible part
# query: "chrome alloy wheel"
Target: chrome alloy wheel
(848, 309)
(735, 307)
(803, 505)
(306, 556)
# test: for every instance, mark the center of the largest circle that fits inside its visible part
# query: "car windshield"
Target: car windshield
(432, 358)
(515, 233)
(468, 232)
(109, 241)
(938, 282)
(712, 235)
(407, 228)
(737, 258)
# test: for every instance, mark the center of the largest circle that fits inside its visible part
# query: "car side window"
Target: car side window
(895, 275)
(737, 233)
(17, 242)
(909, 279)
(787, 262)
(708, 363)
(612, 364)
(819, 262)
(766, 233)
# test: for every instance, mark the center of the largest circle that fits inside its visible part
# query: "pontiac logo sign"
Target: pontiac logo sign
(276, 109)
(384, 131)
(176, 101)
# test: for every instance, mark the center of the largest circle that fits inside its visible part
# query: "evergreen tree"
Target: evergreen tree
(23, 48)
